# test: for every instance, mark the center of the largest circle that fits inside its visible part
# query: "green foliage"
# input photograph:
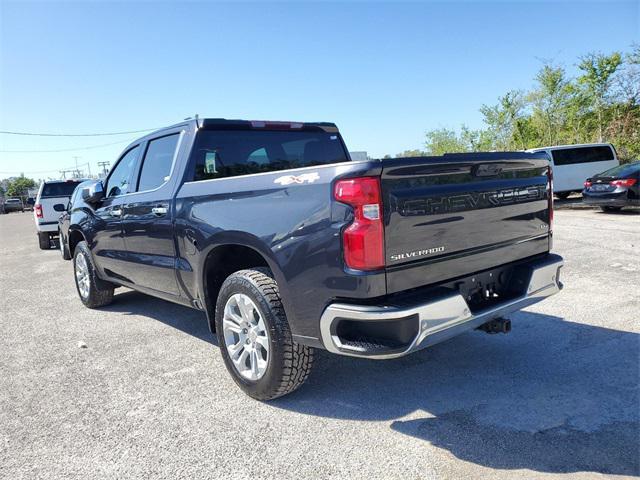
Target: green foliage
(601, 105)
(19, 187)
(442, 140)
(410, 153)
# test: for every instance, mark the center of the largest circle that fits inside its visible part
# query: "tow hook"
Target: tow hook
(499, 325)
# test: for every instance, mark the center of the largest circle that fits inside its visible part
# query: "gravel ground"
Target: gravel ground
(149, 395)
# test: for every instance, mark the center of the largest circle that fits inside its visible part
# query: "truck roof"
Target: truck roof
(237, 124)
(577, 145)
(79, 180)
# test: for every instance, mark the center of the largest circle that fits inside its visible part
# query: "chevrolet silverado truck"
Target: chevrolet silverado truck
(289, 246)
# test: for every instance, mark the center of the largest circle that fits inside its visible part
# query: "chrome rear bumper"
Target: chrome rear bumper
(440, 319)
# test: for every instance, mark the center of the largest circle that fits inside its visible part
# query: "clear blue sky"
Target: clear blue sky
(384, 72)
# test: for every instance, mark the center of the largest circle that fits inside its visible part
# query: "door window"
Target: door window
(157, 163)
(118, 181)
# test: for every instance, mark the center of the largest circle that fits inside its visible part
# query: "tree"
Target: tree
(549, 99)
(410, 153)
(19, 187)
(443, 140)
(503, 121)
(598, 70)
(628, 79)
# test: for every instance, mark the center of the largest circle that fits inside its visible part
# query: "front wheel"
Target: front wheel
(64, 251)
(93, 292)
(255, 339)
(611, 209)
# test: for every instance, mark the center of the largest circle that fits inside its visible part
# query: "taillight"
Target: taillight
(363, 239)
(587, 184)
(627, 182)
(276, 125)
(550, 204)
(38, 209)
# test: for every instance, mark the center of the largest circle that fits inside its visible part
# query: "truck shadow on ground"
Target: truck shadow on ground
(552, 396)
(187, 320)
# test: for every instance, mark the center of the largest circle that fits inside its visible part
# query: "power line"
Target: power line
(35, 172)
(34, 134)
(89, 147)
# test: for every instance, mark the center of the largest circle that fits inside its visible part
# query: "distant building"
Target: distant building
(359, 156)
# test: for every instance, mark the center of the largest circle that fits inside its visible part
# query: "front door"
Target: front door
(109, 248)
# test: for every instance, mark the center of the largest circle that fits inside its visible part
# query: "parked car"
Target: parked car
(13, 205)
(573, 163)
(29, 204)
(287, 245)
(51, 192)
(615, 188)
(2, 212)
(65, 217)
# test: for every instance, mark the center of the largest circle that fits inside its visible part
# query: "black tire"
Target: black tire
(289, 363)
(44, 240)
(64, 250)
(100, 293)
(563, 195)
(611, 209)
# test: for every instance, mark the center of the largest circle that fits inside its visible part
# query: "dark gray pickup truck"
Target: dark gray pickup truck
(287, 245)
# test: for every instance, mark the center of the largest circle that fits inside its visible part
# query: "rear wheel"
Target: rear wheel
(255, 339)
(44, 241)
(611, 209)
(93, 291)
(563, 195)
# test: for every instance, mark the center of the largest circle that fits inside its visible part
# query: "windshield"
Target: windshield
(230, 153)
(621, 170)
(59, 189)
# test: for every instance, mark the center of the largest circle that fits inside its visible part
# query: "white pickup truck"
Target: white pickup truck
(51, 192)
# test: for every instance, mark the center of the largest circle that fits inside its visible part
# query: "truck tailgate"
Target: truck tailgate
(458, 214)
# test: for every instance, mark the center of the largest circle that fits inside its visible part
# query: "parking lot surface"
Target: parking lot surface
(139, 389)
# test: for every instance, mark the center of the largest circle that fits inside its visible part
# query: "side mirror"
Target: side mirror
(93, 193)
(59, 207)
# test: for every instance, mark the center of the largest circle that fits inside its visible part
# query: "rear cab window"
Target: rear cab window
(572, 156)
(231, 153)
(59, 189)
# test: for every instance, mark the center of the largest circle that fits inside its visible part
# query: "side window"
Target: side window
(118, 182)
(571, 156)
(156, 166)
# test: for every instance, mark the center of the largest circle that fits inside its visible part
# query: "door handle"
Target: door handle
(159, 211)
(116, 212)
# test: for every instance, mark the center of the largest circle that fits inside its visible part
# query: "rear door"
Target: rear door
(458, 214)
(148, 217)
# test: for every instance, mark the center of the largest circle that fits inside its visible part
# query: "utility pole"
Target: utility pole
(104, 166)
(77, 169)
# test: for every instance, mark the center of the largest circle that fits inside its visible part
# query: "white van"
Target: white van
(573, 164)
